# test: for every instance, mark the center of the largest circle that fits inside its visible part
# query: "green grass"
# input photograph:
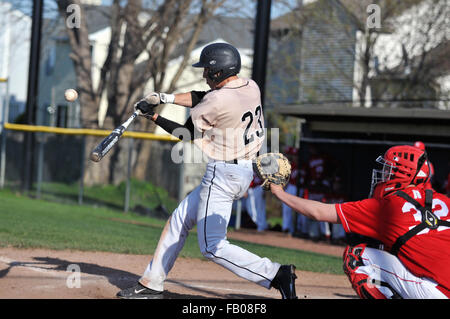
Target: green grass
(25, 222)
(141, 193)
(32, 223)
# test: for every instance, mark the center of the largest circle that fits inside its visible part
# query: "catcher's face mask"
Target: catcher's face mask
(384, 173)
(381, 175)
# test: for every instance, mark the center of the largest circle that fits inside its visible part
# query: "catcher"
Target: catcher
(411, 222)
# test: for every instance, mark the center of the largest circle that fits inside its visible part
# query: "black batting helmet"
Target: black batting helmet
(219, 57)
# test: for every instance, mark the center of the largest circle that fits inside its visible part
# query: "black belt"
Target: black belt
(235, 161)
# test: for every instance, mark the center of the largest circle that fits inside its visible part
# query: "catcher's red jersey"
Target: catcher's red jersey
(427, 254)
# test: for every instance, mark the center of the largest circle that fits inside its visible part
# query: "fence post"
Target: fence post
(5, 115)
(81, 183)
(40, 168)
(3, 159)
(128, 185)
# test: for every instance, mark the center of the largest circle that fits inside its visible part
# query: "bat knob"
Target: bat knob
(95, 157)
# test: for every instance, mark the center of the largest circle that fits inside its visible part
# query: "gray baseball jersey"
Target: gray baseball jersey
(231, 121)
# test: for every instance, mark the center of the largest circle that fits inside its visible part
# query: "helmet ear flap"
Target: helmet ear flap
(423, 171)
(215, 75)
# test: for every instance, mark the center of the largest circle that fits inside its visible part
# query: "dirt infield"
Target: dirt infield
(41, 273)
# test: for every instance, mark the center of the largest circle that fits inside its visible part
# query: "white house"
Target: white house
(15, 33)
(421, 30)
(323, 61)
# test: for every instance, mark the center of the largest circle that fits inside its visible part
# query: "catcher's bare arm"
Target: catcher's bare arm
(312, 209)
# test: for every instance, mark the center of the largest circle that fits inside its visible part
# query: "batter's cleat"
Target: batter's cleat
(284, 281)
(139, 292)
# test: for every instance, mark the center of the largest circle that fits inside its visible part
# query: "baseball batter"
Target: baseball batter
(227, 124)
(410, 220)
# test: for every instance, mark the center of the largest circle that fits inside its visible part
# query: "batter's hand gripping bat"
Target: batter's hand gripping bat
(108, 142)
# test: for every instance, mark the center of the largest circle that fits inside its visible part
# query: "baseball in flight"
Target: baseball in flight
(71, 95)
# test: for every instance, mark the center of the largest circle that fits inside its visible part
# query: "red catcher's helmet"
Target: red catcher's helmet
(420, 145)
(402, 165)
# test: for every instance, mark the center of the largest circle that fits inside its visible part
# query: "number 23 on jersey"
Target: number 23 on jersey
(248, 117)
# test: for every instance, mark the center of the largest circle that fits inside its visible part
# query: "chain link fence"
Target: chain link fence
(62, 171)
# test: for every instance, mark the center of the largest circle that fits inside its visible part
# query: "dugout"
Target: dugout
(355, 136)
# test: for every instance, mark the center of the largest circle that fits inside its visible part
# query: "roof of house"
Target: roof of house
(356, 11)
(97, 17)
(298, 15)
(237, 31)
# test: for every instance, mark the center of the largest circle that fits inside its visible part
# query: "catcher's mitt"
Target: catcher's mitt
(272, 168)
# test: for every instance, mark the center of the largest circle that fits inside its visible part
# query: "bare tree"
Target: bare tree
(415, 56)
(143, 40)
(334, 33)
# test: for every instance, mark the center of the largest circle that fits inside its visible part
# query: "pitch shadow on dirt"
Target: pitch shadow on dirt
(122, 279)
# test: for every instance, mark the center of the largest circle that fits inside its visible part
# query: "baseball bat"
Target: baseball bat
(108, 142)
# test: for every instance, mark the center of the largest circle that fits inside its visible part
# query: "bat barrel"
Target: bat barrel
(103, 148)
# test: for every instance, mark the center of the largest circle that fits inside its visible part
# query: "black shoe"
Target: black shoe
(284, 281)
(139, 292)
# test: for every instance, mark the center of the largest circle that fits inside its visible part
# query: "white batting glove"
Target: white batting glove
(166, 98)
(152, 98)
(147, 105)
(159, 98)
